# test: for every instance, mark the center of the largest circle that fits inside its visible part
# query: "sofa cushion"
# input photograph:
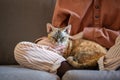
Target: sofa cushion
(15, 72)
(91, 75)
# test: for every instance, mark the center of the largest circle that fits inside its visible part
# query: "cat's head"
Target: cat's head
(58, 36)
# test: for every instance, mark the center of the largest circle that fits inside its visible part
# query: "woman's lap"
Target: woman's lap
(36, 56)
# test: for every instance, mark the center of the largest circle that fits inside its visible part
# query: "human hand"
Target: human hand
(77, 36)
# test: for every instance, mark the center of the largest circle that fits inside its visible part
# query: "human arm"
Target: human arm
(103, 36)
(74, 14)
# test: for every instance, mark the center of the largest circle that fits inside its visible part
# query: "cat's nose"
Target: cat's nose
(58, 40)
(58, 44)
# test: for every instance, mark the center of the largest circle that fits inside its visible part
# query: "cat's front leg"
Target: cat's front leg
(72, 61)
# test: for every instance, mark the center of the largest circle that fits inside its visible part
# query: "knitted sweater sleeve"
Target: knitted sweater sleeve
(111, 61)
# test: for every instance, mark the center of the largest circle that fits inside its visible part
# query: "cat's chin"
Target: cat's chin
(60, 47)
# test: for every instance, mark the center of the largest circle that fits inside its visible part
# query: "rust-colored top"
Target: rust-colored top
(98, 19)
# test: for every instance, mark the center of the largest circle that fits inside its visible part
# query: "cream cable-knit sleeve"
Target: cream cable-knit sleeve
(111, 61)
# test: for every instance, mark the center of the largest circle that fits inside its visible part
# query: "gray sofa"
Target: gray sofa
(25, 20)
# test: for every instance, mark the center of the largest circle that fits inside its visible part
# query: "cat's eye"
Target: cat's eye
(62, 38)
(54, 38)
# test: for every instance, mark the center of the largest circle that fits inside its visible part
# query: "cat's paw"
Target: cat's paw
(70, 59)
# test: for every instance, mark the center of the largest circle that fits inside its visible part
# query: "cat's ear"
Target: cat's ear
(68, 29)
(50, 27)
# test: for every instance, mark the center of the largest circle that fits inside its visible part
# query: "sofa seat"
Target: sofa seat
(91, 75)
(16, 72)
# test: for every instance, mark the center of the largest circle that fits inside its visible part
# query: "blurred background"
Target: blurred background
(22, 20)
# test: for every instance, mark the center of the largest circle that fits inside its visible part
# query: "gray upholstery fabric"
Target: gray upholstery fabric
(91, 75)
(18, 73)
(22, 20)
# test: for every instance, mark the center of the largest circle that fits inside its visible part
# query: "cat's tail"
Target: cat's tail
(75, 64)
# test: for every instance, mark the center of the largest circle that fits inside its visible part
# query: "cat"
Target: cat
(80, 53)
